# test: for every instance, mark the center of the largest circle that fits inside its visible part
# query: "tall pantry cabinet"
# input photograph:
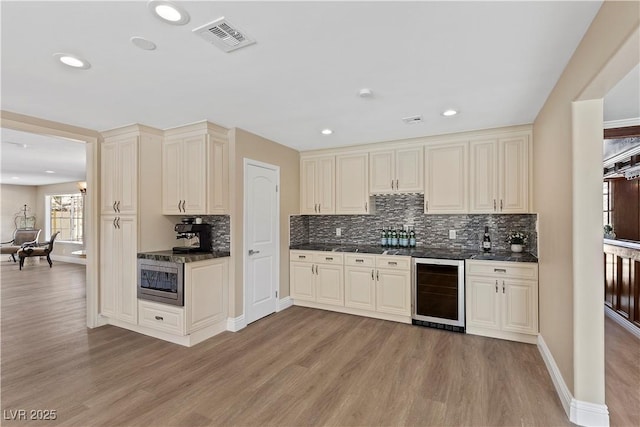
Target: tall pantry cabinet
(130, 201)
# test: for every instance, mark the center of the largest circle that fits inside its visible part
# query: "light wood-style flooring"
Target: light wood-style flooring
(297, 367)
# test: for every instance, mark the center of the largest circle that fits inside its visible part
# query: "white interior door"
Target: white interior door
(261, 212)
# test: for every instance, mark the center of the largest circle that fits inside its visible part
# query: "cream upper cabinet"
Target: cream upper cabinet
(500, 175)
(446, 178)
(352, 183)
(502, 299)
(195, 170)
(396, 171)
(119, 175)
(317, 185)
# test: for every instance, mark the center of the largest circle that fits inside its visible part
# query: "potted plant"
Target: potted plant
(517, 240)
(608, 232)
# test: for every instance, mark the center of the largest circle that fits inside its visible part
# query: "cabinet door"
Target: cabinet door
(482, 302)
(194, 172)
(519, 306)
(109, 265)
(325, 185)
(109, 177)
(218, 181)
(302, 277)
(446, 178)
(360, 288)
(330, 284)
(381, 172)
(484, 176)
(352, 192)
(171, 177)
(514, 175)
(205, 293)
(127, 257)
(308, 199)
(393, 292)
(409, 170)
(128, 175)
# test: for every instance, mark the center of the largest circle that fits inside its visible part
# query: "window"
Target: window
(65, 214)
(607, 205)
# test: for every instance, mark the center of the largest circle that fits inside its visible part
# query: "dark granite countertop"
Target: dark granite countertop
(182, 258)
(420, 252)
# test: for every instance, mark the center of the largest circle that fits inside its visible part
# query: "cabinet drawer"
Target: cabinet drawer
(360, 260)
(394, 262)
(328, 258)
(514, 270)
(301, 256)
(161, 317)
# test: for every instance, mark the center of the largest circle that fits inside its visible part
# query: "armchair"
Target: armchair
(21, 237)
(41, 250)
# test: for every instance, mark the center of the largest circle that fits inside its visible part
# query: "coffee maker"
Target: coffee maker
(200, 233)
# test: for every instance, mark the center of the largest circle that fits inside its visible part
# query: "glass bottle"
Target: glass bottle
(383, 238)
(486, 240)
(394, 237)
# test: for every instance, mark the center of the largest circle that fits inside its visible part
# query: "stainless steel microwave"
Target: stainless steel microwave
(161, 281)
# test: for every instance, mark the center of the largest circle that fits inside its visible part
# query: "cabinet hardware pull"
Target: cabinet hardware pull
(312, 269)
(114, 207)
(302, 256)
(316, 269)
(496, 286)
(377, 275)
(392, 184)
(397, 185)
(328, 258)
(426, 206)
(114, 223)
(179, 201)
(503, 286)
(184, 202)
(499, 270)
(159, 318)
(359, 260)
(319, 208)
(315, 207)
(494, 204)
(366, 206)
(392, 263)
(500, 205)
(118, 222)
(372, 278)
(118, 206)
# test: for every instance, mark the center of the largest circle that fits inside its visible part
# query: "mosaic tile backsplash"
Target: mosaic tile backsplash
(220, 231)
(431, 230)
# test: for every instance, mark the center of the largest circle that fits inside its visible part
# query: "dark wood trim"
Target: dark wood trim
(625, 132)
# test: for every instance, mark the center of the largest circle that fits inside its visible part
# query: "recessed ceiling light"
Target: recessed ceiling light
(143, 43)
(365, 93)
(15, 177)
(72, 61)
(168, 12)
(326, 131)
(50, 171)
(449, 113)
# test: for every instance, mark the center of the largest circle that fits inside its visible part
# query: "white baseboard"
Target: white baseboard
(284, 303)
(621, 321)
(234, 324)
(579, 412)
(69, 259)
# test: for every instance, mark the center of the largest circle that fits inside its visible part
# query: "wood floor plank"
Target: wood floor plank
(297, 367)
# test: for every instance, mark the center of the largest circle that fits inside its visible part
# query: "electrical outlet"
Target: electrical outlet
(338, 231)
(452, 234)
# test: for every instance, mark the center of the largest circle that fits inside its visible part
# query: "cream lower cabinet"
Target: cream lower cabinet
(317, 277)
(502, 300)
(374, 286)
(206, 290)
(118, 268)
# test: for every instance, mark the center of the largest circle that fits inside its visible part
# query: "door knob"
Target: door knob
(252, 252)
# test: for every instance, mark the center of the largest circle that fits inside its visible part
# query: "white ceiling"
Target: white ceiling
(496, 62)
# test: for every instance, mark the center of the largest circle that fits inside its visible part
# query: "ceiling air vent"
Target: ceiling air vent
(412, 120)
(225, 35)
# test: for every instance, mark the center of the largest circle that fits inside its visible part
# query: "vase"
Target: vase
(516, 247)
